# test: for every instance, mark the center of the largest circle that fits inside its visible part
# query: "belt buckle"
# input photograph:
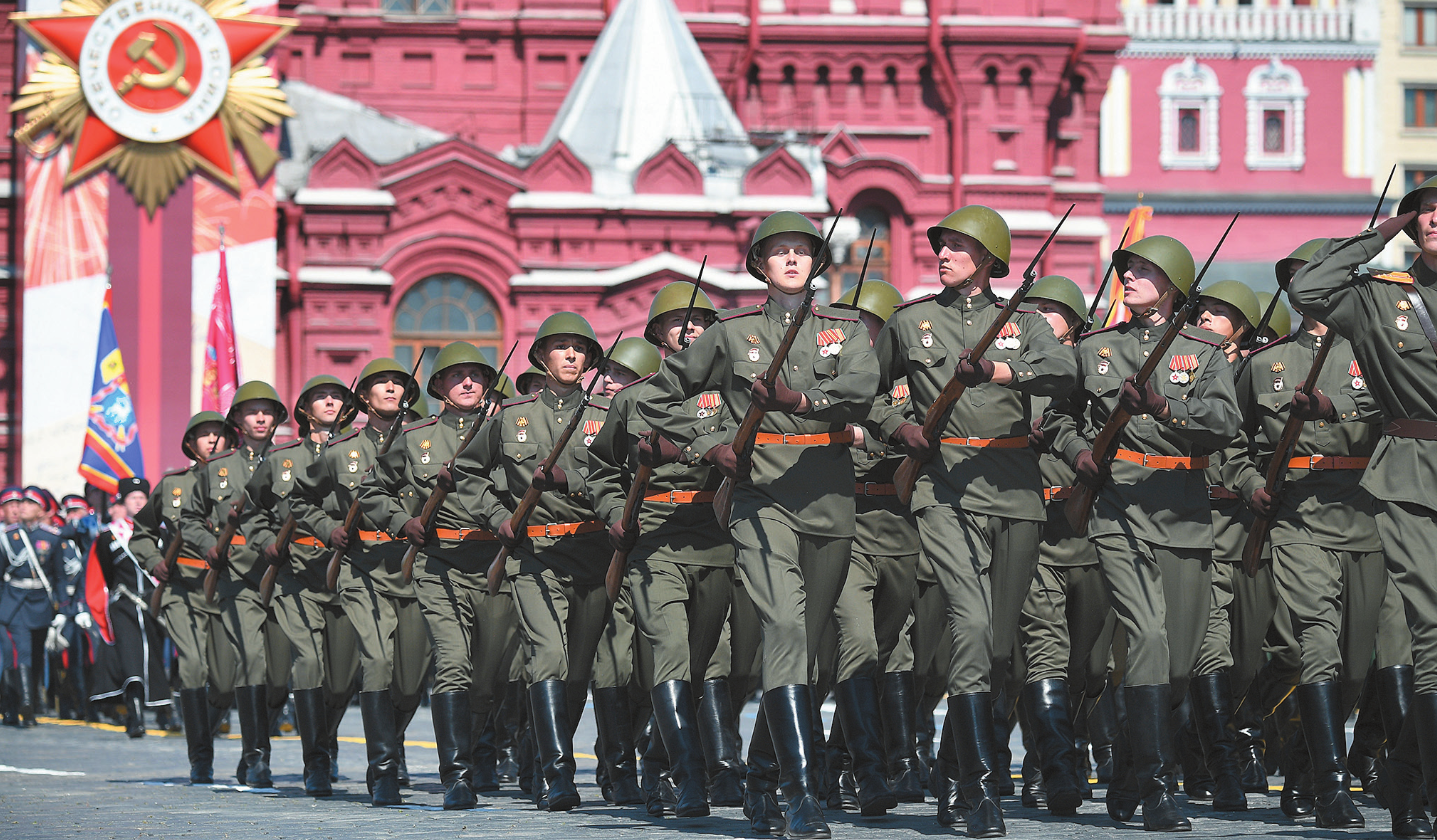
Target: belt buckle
(548, 530)
(1146, 456)
(1318, 462)
(868, 487)
(1054, 490)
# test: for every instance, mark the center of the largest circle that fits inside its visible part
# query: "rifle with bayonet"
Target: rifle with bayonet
(1105, 447)
(1087, 323)
(520, 518)
(351, 517)
(748, 428)
(227, 536)
(907, 475)
(441, 491)
(614, 577)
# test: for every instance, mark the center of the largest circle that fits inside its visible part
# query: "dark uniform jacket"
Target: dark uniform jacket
(32, 558)
(219, 484)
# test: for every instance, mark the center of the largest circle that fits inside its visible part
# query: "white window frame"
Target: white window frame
(1276, 87)
(1190, 85)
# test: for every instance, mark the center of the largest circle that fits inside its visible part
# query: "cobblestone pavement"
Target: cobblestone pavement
(63, 780)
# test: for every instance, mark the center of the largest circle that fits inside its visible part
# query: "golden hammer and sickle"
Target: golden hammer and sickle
(143, 48)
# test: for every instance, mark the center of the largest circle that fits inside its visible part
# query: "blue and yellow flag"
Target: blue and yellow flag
(112, 441)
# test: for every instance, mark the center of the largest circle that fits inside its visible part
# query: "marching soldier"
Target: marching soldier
(474, 635)
(68, 653)
(1066, 616)
(256, 412)
(392, 637)
(793, 510)
(27, 597)
(207, 660)
(978, 501)
(1151, 524)
(557, 566)
(680, 563)
(321, 637)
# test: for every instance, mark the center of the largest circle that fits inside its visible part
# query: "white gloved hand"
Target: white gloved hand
(59, 622)
(55, 641)
(83, 621)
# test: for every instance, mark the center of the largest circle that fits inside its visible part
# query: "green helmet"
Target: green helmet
(257, 390)
(637, 355)
(983, 224)
(505, 386)
(566, 323)
(419, 409)
(1281, 321)
(231, 440)
(457, 353)
(1059, 289)
(526, 378)
(1413, 201)
(1168, 254)
(787, 221)
(1286, 267)
(879, 299)
(301, 404)
(384, 365)
(675, 298)
(1237, 295)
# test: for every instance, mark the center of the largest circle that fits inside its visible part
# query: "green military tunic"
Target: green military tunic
(1153, 527)
(557, 579)
(1327, 560)
(793, 520)
(680, 572)
(474, 635)
(392, 637)
(1399, 368)
(979, 506)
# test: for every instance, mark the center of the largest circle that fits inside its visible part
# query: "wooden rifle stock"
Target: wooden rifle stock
(170, 561)
(614, 578)
(281, 541)
(227, 536)
(440, 493)
(1277, 467)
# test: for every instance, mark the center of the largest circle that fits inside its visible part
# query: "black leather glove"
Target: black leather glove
(553, 479)
(775, 396)
(917, 444)
(1089, 471)
(1144, 401)
(269, 554)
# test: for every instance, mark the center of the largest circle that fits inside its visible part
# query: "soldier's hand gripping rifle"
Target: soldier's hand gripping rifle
(748, 428)
(1105, 447)
(520, 517)
(227, 536)
(907, 475)
(614, 577)
(170, 561)
(285, 537)
(441, 490)
(351, 517)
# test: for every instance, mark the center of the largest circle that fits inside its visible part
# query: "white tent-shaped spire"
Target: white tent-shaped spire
(647, 83)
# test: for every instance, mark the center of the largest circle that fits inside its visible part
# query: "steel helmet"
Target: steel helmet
(1281, 321)
(1237, 295)
(257, 390)
(1286, 267)
(419, 409)
(1060, 289)
(1168, 254)
(879, 299)
(787, 221)
(231, 440)
(566, 323)
(457, 353)
(384, 365)
(675, 298)
(637, 355)
(1413, 201)
(301, 409)
(524, 380)
(504, 387)
(983, 224)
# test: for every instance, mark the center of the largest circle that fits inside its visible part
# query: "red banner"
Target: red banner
(221, 375)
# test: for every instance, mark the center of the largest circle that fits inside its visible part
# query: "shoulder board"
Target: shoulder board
(1271, 344)
(909, 303)
(354, 433)
(599, 402)
(225, 453)
(739, 313)
(46, 526)
(292, 444)
(176, 473)
(638, 381)
(521, 400)
(419, 424)
(1019, 310)
(1202, 336)
(1101, 331)
(1401, 277)
(835, 314)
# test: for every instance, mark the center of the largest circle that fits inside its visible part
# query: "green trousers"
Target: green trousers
(1333, 599)
(1409, 540)
(560, 623)
(1394, 638)
(320, 636)
(1160, 596)
(474, 635)
(873, 611)
(206, 656)
(681, 611)
(392, 637)
(1066, 618)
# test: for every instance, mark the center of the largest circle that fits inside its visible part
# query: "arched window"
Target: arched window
(1189, 94)
(1276, 117)
(441, 309)
(870, 219)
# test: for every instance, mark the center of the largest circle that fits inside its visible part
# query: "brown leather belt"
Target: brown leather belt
(1016, 442)
(824, 439)
(682, 497)
(462, 534)
(870, 488)
(1415, 429)
(312, 542)
(1054, 494)
(192, 562)
(1329, 462)
(374, 536)
(563, 529)
(1218, 493)
(1162, 462)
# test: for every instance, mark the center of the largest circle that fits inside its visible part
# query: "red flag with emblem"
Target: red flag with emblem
(221, 373)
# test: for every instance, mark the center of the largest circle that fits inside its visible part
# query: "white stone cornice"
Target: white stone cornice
(343, 197)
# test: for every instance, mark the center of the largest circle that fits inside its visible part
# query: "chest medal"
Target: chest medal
(900, 393)
(287, 474)
(708, 404)
(1008, 337)
(926, 339)
(354, 460)
(1277, 383)
(1182, 368)
(177, 492)
(224, 475)
(830, 342)
(424, 451)
(1401, 322)
(753, 354)
(1356, 373)
(1103, 368)
(591, 428)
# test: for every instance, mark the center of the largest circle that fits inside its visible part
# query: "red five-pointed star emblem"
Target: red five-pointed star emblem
(153, 88)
